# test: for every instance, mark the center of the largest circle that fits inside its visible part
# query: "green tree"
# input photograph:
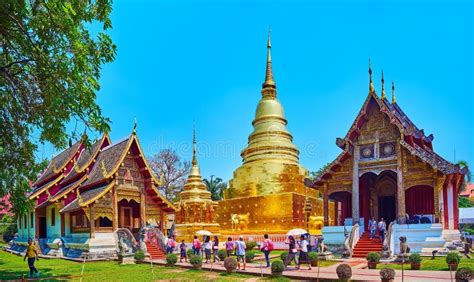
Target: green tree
(50, 64)
(216, 186)
(467, 177)
(464, 202)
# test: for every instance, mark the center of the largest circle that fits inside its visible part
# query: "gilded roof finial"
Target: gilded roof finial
(371, 85)
(393, 93)
(269, 82)
(194, 162)
(383, 87)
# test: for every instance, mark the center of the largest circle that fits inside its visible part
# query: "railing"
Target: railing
(155, 237)
(354, 237)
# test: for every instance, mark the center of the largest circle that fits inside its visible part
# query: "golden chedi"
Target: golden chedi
(267, 193)
(195, 209)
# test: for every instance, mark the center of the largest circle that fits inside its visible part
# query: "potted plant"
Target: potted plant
(283, 256)
(195, 261)
(387, 274)
(139, 255)
(249, 256)
(230, 264)
(452, 259)
(277, 267)
(222, 254)
(171, 259)
(464, 274)
(372, 259)
(250, 245)
(415, 261)
(344, 272)
(313, 258)
(190, 252)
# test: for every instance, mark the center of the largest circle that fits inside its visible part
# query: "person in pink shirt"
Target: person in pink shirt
(229, 246)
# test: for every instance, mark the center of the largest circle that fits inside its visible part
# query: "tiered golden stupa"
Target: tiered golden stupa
(195, 209)
(267, 193)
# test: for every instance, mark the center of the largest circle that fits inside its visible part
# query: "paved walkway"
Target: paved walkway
(359, 272)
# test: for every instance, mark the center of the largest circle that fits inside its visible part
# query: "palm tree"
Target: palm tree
(467, 177)
(216, 186)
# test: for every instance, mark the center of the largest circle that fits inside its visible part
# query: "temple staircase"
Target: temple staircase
(155, 251)
(365, 246)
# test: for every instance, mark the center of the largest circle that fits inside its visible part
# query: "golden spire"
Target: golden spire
(383, 87)
(393, 93)
(371, 86)
(194, 162)
(269, 81)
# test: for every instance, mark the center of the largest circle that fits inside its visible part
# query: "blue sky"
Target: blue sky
(180, 61)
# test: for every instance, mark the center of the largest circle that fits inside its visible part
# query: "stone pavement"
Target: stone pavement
(359, 272)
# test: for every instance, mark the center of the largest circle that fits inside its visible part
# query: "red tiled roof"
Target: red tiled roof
(469, 191)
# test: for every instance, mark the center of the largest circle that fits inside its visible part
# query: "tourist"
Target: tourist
(171, 244)
(240, 251)
(303, 246)
(215, 249)
(31, 254)
(196, 246)
(372, 227)
(291, 251)
(229, 246)
(382, 227)
(182, 252)
(207, 248)
(267, 247)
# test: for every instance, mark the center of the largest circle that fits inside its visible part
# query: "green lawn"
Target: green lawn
(13, 267)
(439, 263)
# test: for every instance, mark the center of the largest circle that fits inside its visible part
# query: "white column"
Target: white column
(355, 186)
(400, 189)
(450, 200)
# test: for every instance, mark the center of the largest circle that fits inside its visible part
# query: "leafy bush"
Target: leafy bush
(373, 257)
(249, 256)
(139, 255)
(387, 273)
(195, 261)
(250, 245)
(230, 264)
(344, 271)
(453, 258)
(414, 258)
(283, 256)
(171, 259)
(222, 254)
(464, 273)
(277, 267)
(313, 257)
(190, 252)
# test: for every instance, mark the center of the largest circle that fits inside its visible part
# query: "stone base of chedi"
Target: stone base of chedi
(273, 214)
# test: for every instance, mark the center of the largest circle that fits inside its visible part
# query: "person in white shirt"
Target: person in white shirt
(382, 228)
(303, 248)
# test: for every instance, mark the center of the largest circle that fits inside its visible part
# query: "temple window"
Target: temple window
(31, 220)
(25, 221)
(79, 222)
(103, 222)
(53, 217)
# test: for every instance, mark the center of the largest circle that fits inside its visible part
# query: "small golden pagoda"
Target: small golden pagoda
(195, 209)
(267, 193)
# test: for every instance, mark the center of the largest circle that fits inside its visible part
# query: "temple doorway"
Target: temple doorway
(129, 215)
(387, 208)
(377, 196)
(343, 206)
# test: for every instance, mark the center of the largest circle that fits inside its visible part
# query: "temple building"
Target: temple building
(86, 194)
(388, 168)
(195, 208)
(267, 192)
